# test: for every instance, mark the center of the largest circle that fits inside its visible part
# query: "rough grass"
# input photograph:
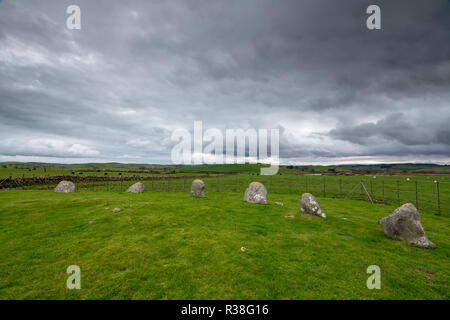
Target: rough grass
(329, 186)
(167, 245)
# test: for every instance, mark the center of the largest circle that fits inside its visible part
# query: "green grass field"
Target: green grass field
(382, 189)
(167, 245)
(21, 169)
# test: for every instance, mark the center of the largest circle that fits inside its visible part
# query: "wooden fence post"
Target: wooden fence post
(361, 189)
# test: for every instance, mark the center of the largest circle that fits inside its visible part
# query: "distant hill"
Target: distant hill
(421, 168)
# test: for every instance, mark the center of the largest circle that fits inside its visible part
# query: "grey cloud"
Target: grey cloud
(140, 69)
(396, 128)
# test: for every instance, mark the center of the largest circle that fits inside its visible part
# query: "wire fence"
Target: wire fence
(427, 196)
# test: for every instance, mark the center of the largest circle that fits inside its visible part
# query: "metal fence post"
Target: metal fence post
(290, 184)
(438, 200)
(417, 198)
(398, 194)
(371, 189)
(324, 188)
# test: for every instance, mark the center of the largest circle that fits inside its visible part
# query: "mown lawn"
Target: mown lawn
(167, 245)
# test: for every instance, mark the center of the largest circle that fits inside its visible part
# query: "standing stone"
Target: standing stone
(310, 205)
(65, 187)
(198, 188)
(136, 188)
(404, 224)
(256, 193)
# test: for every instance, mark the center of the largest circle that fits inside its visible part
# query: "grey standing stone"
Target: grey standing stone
(404, 224)
(136, 188)
(198, 188)
(256, 193)
(309, 204)
(65, 187)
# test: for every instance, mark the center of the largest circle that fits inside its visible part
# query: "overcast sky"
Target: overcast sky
(137, 70)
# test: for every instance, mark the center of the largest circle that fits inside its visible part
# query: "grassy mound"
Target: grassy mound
(163, 245)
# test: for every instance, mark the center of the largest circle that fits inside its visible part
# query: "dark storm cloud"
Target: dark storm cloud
(137, 70)
(395, 128)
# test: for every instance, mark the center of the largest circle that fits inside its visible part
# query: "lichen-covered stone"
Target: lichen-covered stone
(309, 204)
(65, 187)
(198, 188)
(138, 187)
(404, 224)
(256, 193)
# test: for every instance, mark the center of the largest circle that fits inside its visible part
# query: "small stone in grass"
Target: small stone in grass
(310, 205)
(65, 187)
(256, 193)
(115, 209)
(279, 203)
(404, 224)
(198, 188)
(138, 187)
